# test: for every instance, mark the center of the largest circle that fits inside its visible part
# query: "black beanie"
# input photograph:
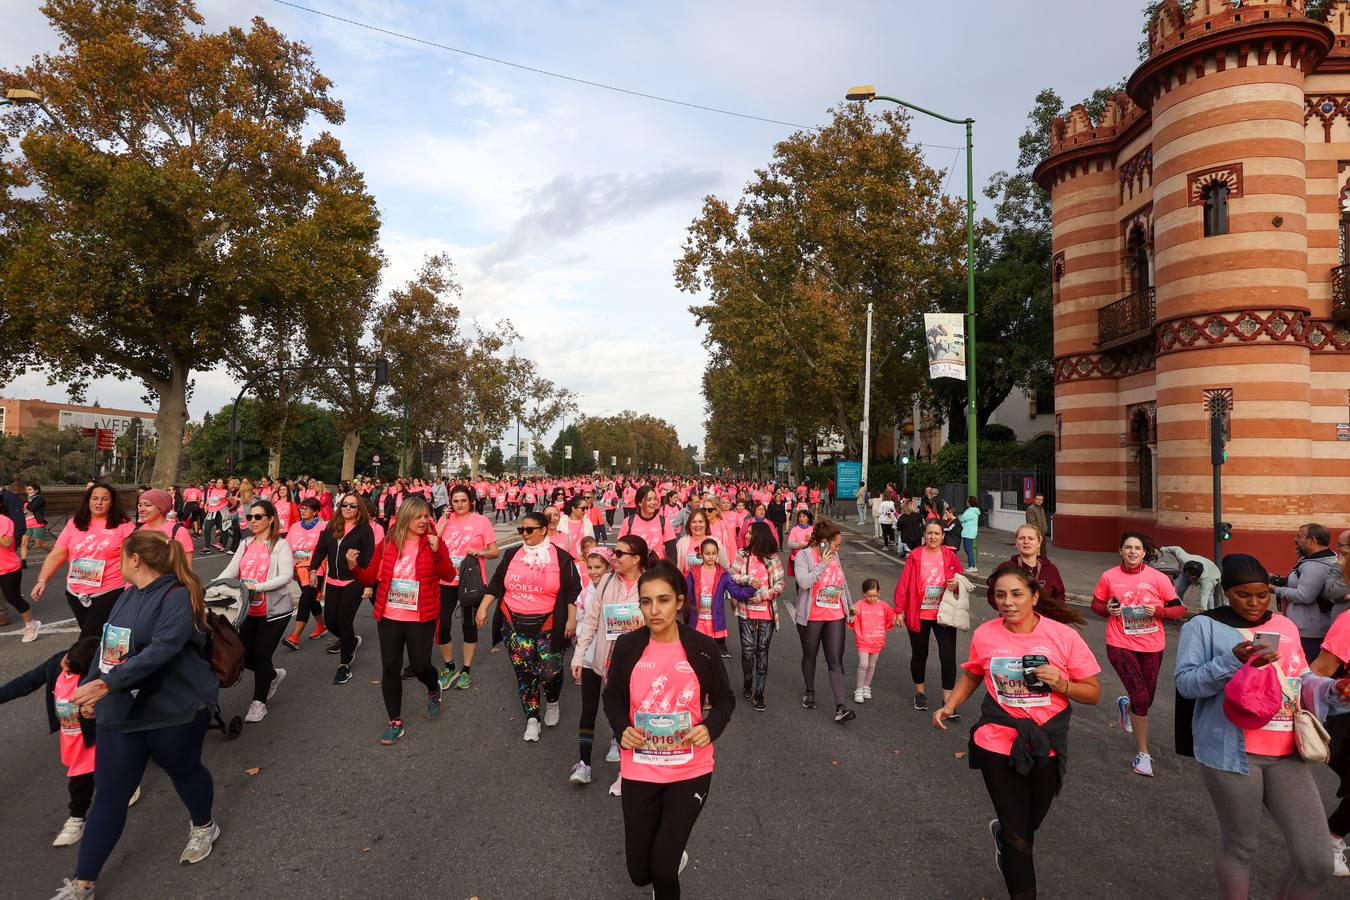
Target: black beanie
(1241, 568)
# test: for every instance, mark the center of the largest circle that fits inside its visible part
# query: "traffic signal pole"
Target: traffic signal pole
(1217, 455)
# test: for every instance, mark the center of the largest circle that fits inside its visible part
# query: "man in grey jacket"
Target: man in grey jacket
(1300, 594)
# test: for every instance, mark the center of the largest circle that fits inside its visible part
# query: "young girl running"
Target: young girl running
(873, 619)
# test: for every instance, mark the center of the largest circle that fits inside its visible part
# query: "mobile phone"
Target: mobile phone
(1033, 681)
(1267, 641)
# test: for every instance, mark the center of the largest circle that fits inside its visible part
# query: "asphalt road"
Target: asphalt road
(883, 806)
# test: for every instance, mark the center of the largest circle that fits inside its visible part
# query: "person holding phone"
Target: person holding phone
(1033, 665)
(1246, 770)
(1135, 599)
(470, 538)
(929, 571)
(662, 676)
(824, 610)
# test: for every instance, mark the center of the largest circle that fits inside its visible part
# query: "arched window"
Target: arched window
(1215, 196)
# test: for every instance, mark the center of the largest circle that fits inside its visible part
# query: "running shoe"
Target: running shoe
(200, 840)
(867, 691)
(434, 704)
(616, 789)
(996, 832)
(972, 569)
(1123, 707)
(73, 830)
(318, 632)
(136, 795)
(393, 733)
(726, 654)
(70, 890)
(276, 683)
(257, 711)
(359, 640)
(859, 696)
(343, 675)
(552, 715)
(464, 680)
(843, 713)
(921, 702)
(581, 773)
(613, 755)
(1143, 764)
(334, 646)
(809, 700)
(954, 717)
(759, 704)
(1338, 858)
(745, 689)
(290, 642)
(30, 631)
(446, 677)
(532, 729)
(684, 861)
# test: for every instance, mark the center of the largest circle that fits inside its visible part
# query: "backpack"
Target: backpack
(224, 649)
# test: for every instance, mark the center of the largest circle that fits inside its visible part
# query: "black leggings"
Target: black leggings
(658, 818)
(918, 652)
(309, 602)
(81, 789)
(9, 589)
(395, 638)
(1338, 727)
(468, 624)
(831, 634)
(339, 612)
(261, 636)
(1021, 803)
(93, 617)
(590, 707)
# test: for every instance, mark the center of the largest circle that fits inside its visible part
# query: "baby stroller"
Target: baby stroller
(229, 598)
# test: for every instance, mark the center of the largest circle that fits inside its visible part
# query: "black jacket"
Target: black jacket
(11, 504)
(703, 655)
(569, 589)
(911, 529)
(37, 505)
(361, 539)
(44, 675)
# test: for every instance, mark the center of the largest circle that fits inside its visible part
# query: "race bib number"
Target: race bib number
(86, 572)
(403, 593)
(621, 618)
(665, 735)
(1138, 620)
(458, 561)
(692, 560)
(257, 600)
(1283, 721)
(829, 597)
(68, 714)
(932, 596)
(302, 557)
(1011, 684)
(115, 649)
(705, 610)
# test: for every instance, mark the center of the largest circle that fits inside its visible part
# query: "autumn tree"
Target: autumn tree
(156, 191)
(491, 386)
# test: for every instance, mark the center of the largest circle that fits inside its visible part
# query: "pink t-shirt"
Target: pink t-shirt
(664, 702)
(9, 560)
(651, 531)
(931, 572)
(827, 594)
(400, 604)
(287, 515)
(757, 607)
(1276, 737)
(95, 556)
(192, 495)
(183, 535)
(1136, 628)
(253, 568)
(464, 533)
(78, 759)
(1337, 641)
(706, 581)
(532, 590)
(215, 499)
(872, 621)
(303, 541)
(996, 656)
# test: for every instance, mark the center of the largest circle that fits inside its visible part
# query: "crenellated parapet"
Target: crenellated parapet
(1175, 25)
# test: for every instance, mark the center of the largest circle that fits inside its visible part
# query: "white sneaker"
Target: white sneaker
(73, 830)
(134, 797)
(531, 729)
(581, 774)
(200, 841)
(551, 713)
(30, 631)
(257, 711)
(684, 861)
(1143, 764)
(973, 569)
(859, 696)
(613, 755)
(276, 683)
(71, 890)
(867, 691)
(616, 789)
(1338, 858)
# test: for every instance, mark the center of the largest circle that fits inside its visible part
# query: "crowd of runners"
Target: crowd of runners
(631, 585)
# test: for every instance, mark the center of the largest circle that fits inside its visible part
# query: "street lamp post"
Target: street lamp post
(868, 93)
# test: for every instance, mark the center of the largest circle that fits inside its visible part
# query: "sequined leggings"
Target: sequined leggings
(537, 664)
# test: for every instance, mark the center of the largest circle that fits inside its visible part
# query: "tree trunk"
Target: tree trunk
(274, 462)
(475, 456)
(351, 439)
(170, 420)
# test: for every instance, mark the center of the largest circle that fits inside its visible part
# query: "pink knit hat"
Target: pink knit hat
(604, 553)
(160, 500)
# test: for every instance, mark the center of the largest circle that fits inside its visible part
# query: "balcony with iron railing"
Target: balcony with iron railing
(1129, 319)
(1340, 294)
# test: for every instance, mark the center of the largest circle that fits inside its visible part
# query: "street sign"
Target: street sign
(375, 460)
(847, 478)
(613, 460)
(596, 454)
(567, 451)
(1028, 489)
(1343, 431)
(106, 439)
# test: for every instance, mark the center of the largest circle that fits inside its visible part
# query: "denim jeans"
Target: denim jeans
(755, 637)
(969, 545)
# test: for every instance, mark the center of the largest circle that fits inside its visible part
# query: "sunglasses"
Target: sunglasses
(527, 529)
(349, 506)
(256, 517)
(618, 552)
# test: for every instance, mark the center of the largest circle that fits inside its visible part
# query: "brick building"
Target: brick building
(18, 416)
(1200, 239)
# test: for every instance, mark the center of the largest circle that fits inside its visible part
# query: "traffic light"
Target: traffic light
(381, 371)
(1226, 530)
(1218, 450)
(904, 453)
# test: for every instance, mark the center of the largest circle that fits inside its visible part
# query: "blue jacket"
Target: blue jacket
(721, 589)
(44, 675)
(165, 679)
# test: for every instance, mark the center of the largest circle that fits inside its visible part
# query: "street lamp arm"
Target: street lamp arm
(927, 112)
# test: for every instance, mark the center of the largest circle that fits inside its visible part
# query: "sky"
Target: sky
(564, 206)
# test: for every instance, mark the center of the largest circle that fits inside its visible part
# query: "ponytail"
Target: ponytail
(166, 556)
(638, 546)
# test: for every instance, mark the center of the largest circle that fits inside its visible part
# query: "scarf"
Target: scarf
(536, 557)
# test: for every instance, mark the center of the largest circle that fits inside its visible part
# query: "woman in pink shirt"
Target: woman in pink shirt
(11, 575)
(1135, 599)
(1032, 664)
(92, 543)
(152, 508)
(470, 539)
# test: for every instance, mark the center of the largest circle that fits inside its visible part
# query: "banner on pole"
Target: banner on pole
(946, 336)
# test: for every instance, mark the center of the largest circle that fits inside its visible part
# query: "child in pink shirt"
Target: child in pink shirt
(870, 624)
